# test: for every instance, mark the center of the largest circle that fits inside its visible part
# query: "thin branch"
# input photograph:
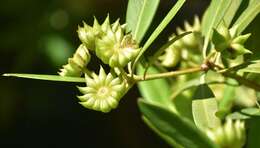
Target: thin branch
(167, 74)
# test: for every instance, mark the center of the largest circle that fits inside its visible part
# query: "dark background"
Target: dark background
(37, 36)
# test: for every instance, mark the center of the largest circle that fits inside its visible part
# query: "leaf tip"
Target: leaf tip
(6, 75)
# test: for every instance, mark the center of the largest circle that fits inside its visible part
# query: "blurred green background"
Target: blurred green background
(37, 36)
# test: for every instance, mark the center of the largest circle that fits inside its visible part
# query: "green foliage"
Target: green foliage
(226, 101)
(204, 107)
(231, 11)
(203, 92)
(46, 77)
(178, 103)
(213, 16)
(168, 139)
(139, 16)
(149, 89)
(180, 129)
(248, 15)
(254, 67)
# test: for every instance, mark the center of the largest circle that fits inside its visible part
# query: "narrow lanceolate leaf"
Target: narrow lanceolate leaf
(248, 15)
(204, 108)
(159, 29)
(180, 129)
(139, 16)
(251, 111)
(155, 91)
(231, 11)
(254, 67)
(246, 113)
(166, 138)
(45, 77)
(212, 18)
(213, 15)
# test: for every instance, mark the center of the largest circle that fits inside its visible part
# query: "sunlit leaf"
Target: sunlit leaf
(139, 16)
(254, 67)
(238, 116)
(245, 113)
(212, 18)
(231, 11)
(204, 113)
(204, 108)
(248, 15)
(45, 77)
(178, 128)
(213, 15)
(252, 111)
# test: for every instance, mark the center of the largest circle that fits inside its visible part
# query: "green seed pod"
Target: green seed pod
(102, 93)
(77, 63)
(229, 43)
(192, 40)
(171, 57)
(115, 48)
(88, 34)
(231, 134)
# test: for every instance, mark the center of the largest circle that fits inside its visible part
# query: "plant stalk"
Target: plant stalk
(167, 74)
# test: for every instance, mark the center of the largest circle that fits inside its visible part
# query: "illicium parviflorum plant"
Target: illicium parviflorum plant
(199, 90)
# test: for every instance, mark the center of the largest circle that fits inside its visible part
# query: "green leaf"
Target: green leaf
(203, 92)
(204, 113)
(155, 91)
(139, 16)
(159, 29)
(204, 108)
(212, 18)
(213, 15)
(247, 16)
(231, 11)
(245, 113)
(182, 130)
(252, 111)
(166, 138)
(45, 77)
(238, 116)
(254, 67)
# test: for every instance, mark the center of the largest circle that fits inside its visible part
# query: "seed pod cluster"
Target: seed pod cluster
(109, 42)
(175, 52)
(229, 43)
(103, 91)
(77, 63)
